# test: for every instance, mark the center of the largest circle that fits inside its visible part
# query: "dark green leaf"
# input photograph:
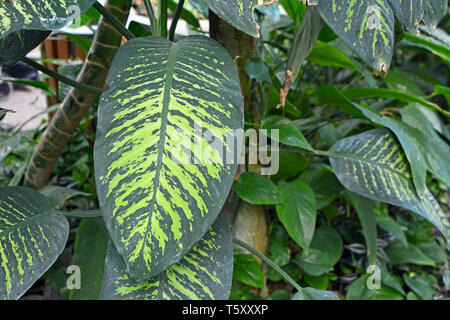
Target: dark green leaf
(257, 189)
(161, 184)
(31, 238)
(248, 270)
(326, 250)
(204, 273)
(289, 133)
(298, 212)
(89, 254)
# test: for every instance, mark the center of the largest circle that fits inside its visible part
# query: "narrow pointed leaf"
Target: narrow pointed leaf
(31, 238)
(365, 26)
(256, 189)
(373, 165)
(314, 294)
(304, 40)
(204, 273)
(160, 184)
(365, 211)
(238, 13)
(90, 254)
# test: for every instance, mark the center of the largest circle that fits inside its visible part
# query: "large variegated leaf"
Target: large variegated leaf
(158, 192)
(374, 165)
(365, 26)
(39, 15)
(413, 12)
(238, 13)
(16, 45)
(31, 238)
(204, 273)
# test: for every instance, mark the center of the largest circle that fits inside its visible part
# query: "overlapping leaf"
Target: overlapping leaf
(31, 238)
(25, 24)
(365, 26)
(374, 165)
(32, 15)
(160, 184)
(16, 45)
(204, 273)
(238, 13)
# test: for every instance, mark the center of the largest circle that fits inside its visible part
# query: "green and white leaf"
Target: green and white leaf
(31, 238)
(160, 184)
(238, 13)
(365, 26)
(374, 165)
(204, 273)
(46, 15)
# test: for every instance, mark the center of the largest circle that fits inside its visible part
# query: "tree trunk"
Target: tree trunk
(77, 103)
(250, 224)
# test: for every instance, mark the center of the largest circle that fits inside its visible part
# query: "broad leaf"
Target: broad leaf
(326, 250)
(31, 238)
(29, 15)
(89, 254)
(204, 273)
(16, 45)
(359, 290)
(248, 270)
(420, 285)
(373, 164)
(365, 26)
(298, 212)
(288, 132)
(161, 183)
(238, 13)
(256, 189)
(401, 254)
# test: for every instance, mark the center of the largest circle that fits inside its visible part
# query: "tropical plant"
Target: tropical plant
(349, 139)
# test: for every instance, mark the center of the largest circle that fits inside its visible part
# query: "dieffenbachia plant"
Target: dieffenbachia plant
(161, 184)
(367, 27)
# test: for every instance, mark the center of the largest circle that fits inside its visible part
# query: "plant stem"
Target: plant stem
(114, 21)
(60, 77)
(269, 262)
(176, 17)
(151, 15)
(162, 18)
(82, 214)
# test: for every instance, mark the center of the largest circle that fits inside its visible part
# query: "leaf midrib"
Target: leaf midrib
(162, 135)
(353, 157)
